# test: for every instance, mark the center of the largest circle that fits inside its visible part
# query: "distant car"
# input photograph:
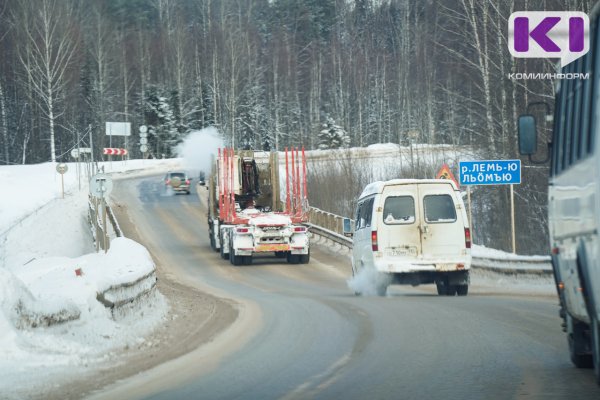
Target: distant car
(202, 178)
(178, 181)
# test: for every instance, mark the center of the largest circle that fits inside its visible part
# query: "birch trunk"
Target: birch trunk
(4, 126)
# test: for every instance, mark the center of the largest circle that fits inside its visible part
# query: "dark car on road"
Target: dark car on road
(177, 181)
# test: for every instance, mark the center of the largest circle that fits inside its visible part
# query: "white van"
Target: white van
(413, 232)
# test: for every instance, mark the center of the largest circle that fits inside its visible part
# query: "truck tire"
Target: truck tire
(292, 258)
(578, 346)
(305, 258)
(595, 333)
(590, 304)
(224, 255)
(235, 260)
(281, 254)
(211, 238)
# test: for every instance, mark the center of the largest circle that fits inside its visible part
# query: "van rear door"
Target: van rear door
(398, 217)
(442, 225)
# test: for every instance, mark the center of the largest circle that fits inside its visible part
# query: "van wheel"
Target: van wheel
(442, 289)
(381, 290)
(462, 290)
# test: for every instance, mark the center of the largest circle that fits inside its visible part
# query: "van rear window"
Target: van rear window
(399, 210)
(439, 208)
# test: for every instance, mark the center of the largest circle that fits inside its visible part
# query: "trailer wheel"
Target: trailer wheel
(305, 258)
(235, 260)
(211, 238)
(224, 255)
(293, 258)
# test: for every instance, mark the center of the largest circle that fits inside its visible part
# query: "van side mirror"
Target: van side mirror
(527, 135)
(348, 227)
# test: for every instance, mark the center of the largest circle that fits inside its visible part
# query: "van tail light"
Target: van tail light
(187, 181)
(299, 229)
(374, 245)
(242, 230)
(467, 238)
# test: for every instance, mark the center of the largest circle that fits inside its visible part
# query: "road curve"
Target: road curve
(303, 334)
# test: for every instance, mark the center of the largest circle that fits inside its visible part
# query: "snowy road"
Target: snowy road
(301, 333)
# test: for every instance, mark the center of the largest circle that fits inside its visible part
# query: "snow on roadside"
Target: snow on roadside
(486, 252)
(27, 188)
(51, 324)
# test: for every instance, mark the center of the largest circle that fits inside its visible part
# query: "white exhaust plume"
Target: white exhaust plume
(369, 282)
(198, 147)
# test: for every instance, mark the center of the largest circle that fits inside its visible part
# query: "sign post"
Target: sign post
(100, 187)
(117, 129)
(493, 172)
(143, 140)
(61, 169)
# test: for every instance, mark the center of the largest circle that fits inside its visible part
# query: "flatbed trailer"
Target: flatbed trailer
(246, 216)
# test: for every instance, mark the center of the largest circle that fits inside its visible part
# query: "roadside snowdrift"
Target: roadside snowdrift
(64, 309)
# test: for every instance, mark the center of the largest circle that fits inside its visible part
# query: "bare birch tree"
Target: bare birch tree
(48, 55)
(4, 125)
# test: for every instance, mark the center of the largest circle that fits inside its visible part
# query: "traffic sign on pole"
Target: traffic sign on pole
(114, 151)
(101, 185)
(61, 169)
(493, 172)
(490, 172)
(445, 173)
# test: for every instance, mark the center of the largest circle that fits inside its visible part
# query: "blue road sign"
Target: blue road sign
(490, 172)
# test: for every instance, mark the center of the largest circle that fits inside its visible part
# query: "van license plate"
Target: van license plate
(410, 251)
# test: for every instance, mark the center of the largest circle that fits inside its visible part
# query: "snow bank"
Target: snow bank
(486, 252)
(39, 299)
(27, 188)
(51, 321)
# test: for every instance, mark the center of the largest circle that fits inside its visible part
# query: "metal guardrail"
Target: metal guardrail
(97, 227)
(330, 226)
(113, 221)
(117, 296)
